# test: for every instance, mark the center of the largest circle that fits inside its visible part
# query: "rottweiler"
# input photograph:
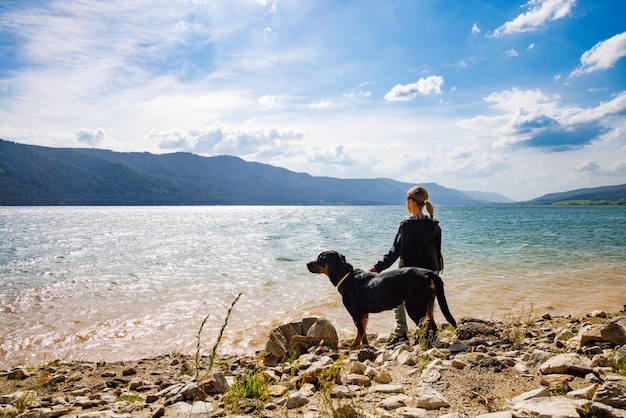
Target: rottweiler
(364, 292)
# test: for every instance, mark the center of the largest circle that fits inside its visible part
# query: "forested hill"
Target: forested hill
(598, 195)
(34, 175)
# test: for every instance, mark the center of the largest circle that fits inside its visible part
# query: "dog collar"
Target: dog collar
(342, 279)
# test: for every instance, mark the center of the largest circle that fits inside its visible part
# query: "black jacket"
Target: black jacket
(417, 244)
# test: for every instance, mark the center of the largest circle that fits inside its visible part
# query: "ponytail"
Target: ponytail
(431, 210)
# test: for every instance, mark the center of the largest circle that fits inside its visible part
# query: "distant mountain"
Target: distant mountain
(489, 197)
(616, 194)
(35, 175)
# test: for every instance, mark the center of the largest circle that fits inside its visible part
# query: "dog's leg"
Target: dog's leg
(420, 310)
(364, 338)
(361, 337)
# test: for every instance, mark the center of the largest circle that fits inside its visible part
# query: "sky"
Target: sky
(511, 97)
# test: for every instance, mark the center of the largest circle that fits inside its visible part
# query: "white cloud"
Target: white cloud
(603, 55)
(225, 139)
(322, 104)
(337, 155)
(475, 29)
(540, 12)
(407, 92)
(512, 52)
(531, 118)
(91, 137)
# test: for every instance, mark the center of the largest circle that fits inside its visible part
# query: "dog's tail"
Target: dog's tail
(441, 298)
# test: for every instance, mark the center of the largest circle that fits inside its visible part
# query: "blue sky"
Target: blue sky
(518, 98)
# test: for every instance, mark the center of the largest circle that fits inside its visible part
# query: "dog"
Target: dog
(365, 292)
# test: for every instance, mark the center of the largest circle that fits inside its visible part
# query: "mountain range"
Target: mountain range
(36, 175)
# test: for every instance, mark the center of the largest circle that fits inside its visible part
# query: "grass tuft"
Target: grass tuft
(219, 338)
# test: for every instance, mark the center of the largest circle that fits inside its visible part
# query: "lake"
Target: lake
(120, 283)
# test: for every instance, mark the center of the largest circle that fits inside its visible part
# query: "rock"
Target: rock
(193, 392)
(590, 334)
(393, 402)
(469, 328)
(20, 397)
(383, 377)
(554, 406)
(214, 383)
(387, 388)
(584, 393)
(278, 390)
(458, 347)
(405, 358)
(567, 364)
(18, 374)
(341, 391)
(295, 400)
(355, 379)
(521, 369)
(300, 344)
(501, 414)
(278, 342)
(538, 357)
(536, 393)
(367, 353)
(620, 355)
(308, 333)
(429, 398)
(409, 412)
(129, 371)
(103, 414)
(598, 410)
(430, 375)
(312, 373)
(612, 394)
(615, 330)
(324, 330)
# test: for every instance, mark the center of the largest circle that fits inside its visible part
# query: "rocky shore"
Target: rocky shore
(518, 367)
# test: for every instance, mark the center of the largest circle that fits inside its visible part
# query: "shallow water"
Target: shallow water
(115, 283)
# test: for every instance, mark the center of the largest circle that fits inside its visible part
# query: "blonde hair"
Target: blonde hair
(419, 195)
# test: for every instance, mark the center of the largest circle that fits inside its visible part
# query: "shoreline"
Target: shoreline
(479, 368)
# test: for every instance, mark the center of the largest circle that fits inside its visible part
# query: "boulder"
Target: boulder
(612, 394)
(325, 331)
(298, 337)
(590, 334)
(615, 330)
(429, 398)
(567, 364)
(554, 406)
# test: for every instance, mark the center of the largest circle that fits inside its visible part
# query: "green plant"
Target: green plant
(425, 337)
(254, 385)
(217, 342)
(326, 381)
(25, 401)
(129, 398)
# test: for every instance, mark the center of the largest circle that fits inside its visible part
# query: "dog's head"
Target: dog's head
(330, 263)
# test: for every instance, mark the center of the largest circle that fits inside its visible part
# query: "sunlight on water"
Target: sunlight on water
(120, 283)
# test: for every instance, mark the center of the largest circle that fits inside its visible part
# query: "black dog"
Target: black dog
(364, 292)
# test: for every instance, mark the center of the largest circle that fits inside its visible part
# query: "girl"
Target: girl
(417, 244)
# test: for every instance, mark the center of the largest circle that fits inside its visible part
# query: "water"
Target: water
(119, 283)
